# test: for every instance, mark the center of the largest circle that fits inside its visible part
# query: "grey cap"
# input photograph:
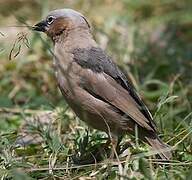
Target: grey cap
(75, 16)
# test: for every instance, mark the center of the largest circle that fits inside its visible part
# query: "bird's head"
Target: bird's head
(62, 20)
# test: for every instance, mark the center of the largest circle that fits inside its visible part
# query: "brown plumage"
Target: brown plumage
(93, 86)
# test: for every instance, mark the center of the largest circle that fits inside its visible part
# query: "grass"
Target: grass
(153, 49)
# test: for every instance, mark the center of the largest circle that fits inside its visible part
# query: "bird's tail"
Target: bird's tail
(160, 147)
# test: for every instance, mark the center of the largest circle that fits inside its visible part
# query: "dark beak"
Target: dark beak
(41, 26)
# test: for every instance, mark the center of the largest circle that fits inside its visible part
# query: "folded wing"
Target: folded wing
(103, 78)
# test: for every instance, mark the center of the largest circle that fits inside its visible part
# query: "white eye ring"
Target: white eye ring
(50, 20)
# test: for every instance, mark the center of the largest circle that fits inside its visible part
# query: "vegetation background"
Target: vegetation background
(152, 43)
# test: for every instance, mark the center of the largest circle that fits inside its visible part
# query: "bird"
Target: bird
(93, 85)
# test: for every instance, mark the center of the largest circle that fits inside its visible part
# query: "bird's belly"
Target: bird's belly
(92, 119)
(96, 113)
(103, 120)
(89, 109)
(97, 116)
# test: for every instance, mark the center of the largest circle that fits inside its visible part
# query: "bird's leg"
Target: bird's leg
(104, 149)
(113, 140)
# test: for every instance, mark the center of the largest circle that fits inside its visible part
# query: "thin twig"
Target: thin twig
(182, 139)
(27, 26)
(103, 163)
(21, 111)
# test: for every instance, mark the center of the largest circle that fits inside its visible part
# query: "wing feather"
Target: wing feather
(107, 81)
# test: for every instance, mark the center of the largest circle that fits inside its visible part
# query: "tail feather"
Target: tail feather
(158, 145)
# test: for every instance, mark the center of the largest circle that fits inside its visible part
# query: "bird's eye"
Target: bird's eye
(50, 20)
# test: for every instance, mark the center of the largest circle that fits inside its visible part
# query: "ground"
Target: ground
(40, 137)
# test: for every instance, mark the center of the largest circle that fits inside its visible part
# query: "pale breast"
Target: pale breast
(67, 72)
